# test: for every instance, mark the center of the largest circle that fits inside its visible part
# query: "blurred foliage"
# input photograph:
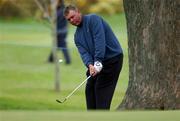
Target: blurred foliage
(17, 8)
(107, 7)
(28, 8)
(98, 6)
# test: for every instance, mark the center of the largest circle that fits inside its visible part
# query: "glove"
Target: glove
(98, 66)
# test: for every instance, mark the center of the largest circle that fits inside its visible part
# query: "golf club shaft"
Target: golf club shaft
(77, 87)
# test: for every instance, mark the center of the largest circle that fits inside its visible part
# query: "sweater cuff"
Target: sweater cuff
(87, 65)
(97, 59)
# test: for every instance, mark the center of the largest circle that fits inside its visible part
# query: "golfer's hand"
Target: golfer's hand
(92, 70)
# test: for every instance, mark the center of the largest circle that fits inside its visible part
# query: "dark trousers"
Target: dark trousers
(100, 89)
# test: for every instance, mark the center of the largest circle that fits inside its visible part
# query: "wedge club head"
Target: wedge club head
(61, 101)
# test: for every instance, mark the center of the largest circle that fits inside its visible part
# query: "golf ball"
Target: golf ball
(60, 60)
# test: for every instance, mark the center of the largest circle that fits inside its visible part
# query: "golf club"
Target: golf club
(62, 101)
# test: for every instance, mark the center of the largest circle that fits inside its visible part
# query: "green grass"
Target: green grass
(89, 116)
(27, 80)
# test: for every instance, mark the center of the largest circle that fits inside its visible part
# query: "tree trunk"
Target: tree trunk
(54, 44)
(154, 54)
(52, 18)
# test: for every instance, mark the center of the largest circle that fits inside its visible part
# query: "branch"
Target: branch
(44, 10)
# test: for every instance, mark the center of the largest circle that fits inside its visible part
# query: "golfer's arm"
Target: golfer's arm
(87, 59)
(99, 38)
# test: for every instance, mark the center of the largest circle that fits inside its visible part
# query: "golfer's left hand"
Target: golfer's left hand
(92, 70)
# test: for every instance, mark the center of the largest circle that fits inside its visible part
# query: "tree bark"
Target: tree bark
(154, 54)
(52, 18)
(54, 44)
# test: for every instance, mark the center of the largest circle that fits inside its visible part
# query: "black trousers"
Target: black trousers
(100, 88)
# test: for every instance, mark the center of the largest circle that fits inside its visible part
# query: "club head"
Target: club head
(61, 101)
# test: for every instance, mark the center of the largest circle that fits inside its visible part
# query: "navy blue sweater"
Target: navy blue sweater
(95, 40)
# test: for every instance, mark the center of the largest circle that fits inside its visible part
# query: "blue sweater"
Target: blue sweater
(95, 40)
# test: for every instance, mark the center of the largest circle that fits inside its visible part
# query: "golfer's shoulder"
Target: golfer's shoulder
(93, 16)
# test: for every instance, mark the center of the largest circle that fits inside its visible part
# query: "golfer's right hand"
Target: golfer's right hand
(92, 70)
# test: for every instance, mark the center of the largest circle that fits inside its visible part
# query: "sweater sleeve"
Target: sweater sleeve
(86, 57)
(98, 37)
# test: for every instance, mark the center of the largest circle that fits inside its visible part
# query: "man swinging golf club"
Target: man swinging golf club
(101, 54)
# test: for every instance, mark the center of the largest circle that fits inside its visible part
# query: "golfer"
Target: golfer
(100, 52)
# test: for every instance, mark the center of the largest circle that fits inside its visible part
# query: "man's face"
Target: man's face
(74, 17)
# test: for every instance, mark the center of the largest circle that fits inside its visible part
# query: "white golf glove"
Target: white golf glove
(98, 66)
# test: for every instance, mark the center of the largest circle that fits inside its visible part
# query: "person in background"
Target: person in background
(101, 53)
(61, 34)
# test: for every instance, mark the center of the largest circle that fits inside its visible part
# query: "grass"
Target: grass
(90, 116)
(27, 80)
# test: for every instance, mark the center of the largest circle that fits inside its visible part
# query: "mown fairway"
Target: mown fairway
(27, 80)
(89, 116)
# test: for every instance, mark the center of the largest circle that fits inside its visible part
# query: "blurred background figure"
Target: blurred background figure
(61, 34)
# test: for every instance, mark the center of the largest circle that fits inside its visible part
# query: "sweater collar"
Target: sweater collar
(81, 24)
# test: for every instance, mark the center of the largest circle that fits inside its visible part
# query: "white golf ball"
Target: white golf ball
(60, 60)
